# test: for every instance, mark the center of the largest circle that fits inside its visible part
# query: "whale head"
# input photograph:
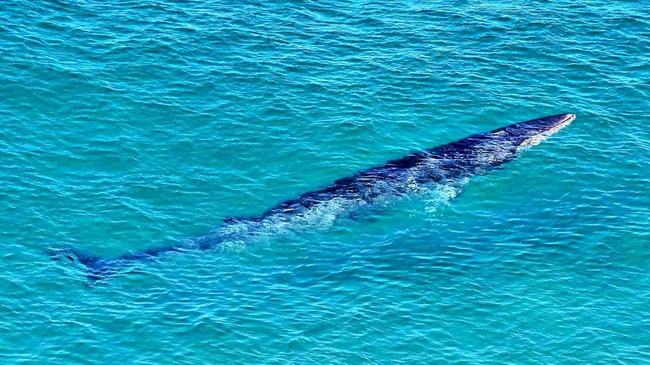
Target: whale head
(533, 132)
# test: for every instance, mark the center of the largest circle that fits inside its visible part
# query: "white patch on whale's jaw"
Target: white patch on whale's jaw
(542, 136)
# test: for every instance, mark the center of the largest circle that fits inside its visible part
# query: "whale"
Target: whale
(445, 165)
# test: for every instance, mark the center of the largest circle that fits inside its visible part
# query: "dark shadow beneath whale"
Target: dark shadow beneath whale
(447, 164)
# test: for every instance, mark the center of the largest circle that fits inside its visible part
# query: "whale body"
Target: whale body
(445, 164)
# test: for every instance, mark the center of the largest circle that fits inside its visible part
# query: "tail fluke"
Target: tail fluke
(95, 267)
(98, 268)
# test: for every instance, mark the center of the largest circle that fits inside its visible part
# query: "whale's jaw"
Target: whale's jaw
(534, 132)
(547, 131)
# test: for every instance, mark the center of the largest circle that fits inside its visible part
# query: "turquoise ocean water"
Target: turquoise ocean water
(127, 124)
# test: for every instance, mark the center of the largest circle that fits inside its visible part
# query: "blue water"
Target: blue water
(127, 124)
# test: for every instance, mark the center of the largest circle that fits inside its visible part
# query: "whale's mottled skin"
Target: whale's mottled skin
(444, 164)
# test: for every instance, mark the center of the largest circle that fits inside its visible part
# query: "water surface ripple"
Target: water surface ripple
(130, 123)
